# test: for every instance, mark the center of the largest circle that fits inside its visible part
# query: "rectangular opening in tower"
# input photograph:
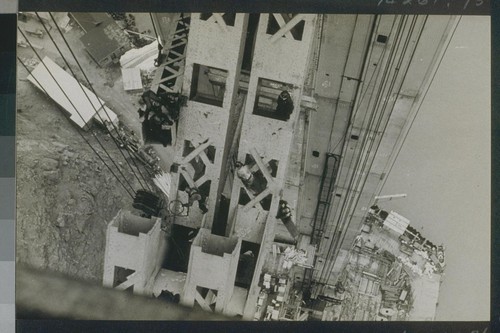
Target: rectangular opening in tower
(208, 85)
(277, 21)
(251, 176)
(183, 184)
(243, 198)
(273, 167)
(220, 220)
(207, 298)
(228, 18)
(210, 152)
(246, 265)
(177, 258)
(253, 23)
(254, 180)
(121, 275)
(198, 168)
(273, 99)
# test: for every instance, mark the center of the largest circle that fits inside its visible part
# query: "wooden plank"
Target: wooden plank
(286, 28)
(81, 103)
(281, 22)
(201, 301)
(131, 79)
(188, 178)
(131, 280)
(262, 166)
(196, 152)
(204, 158)
(200, 181)
(256, 199)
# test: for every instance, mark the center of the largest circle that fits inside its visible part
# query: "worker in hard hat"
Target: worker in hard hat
(194, 195)
(243, 172)
(285, 105)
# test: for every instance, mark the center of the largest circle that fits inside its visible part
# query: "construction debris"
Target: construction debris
(294, 257)
(162, 181)
(142, 58)
(132, 79)
(81, 103)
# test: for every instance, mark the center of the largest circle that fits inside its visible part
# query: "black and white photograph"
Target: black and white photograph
(253, 166)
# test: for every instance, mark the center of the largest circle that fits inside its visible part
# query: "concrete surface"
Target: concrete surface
(200, 122)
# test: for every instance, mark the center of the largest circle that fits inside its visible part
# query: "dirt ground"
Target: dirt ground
(65, 195)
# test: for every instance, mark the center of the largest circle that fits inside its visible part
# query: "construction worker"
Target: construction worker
(243, 172)
(142, 110)
(254, 181)
(285, 105)
(165, 116)
(173, 104)
(158, 60)
(284, 212)
(156, 125)
(194, 195)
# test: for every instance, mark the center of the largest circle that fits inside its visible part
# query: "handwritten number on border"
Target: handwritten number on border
(478, 3)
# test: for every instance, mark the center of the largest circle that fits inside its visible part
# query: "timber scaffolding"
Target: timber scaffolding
(228, 117)
(232, 84)
(174, 30)
(265, 141)
(136, 247)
